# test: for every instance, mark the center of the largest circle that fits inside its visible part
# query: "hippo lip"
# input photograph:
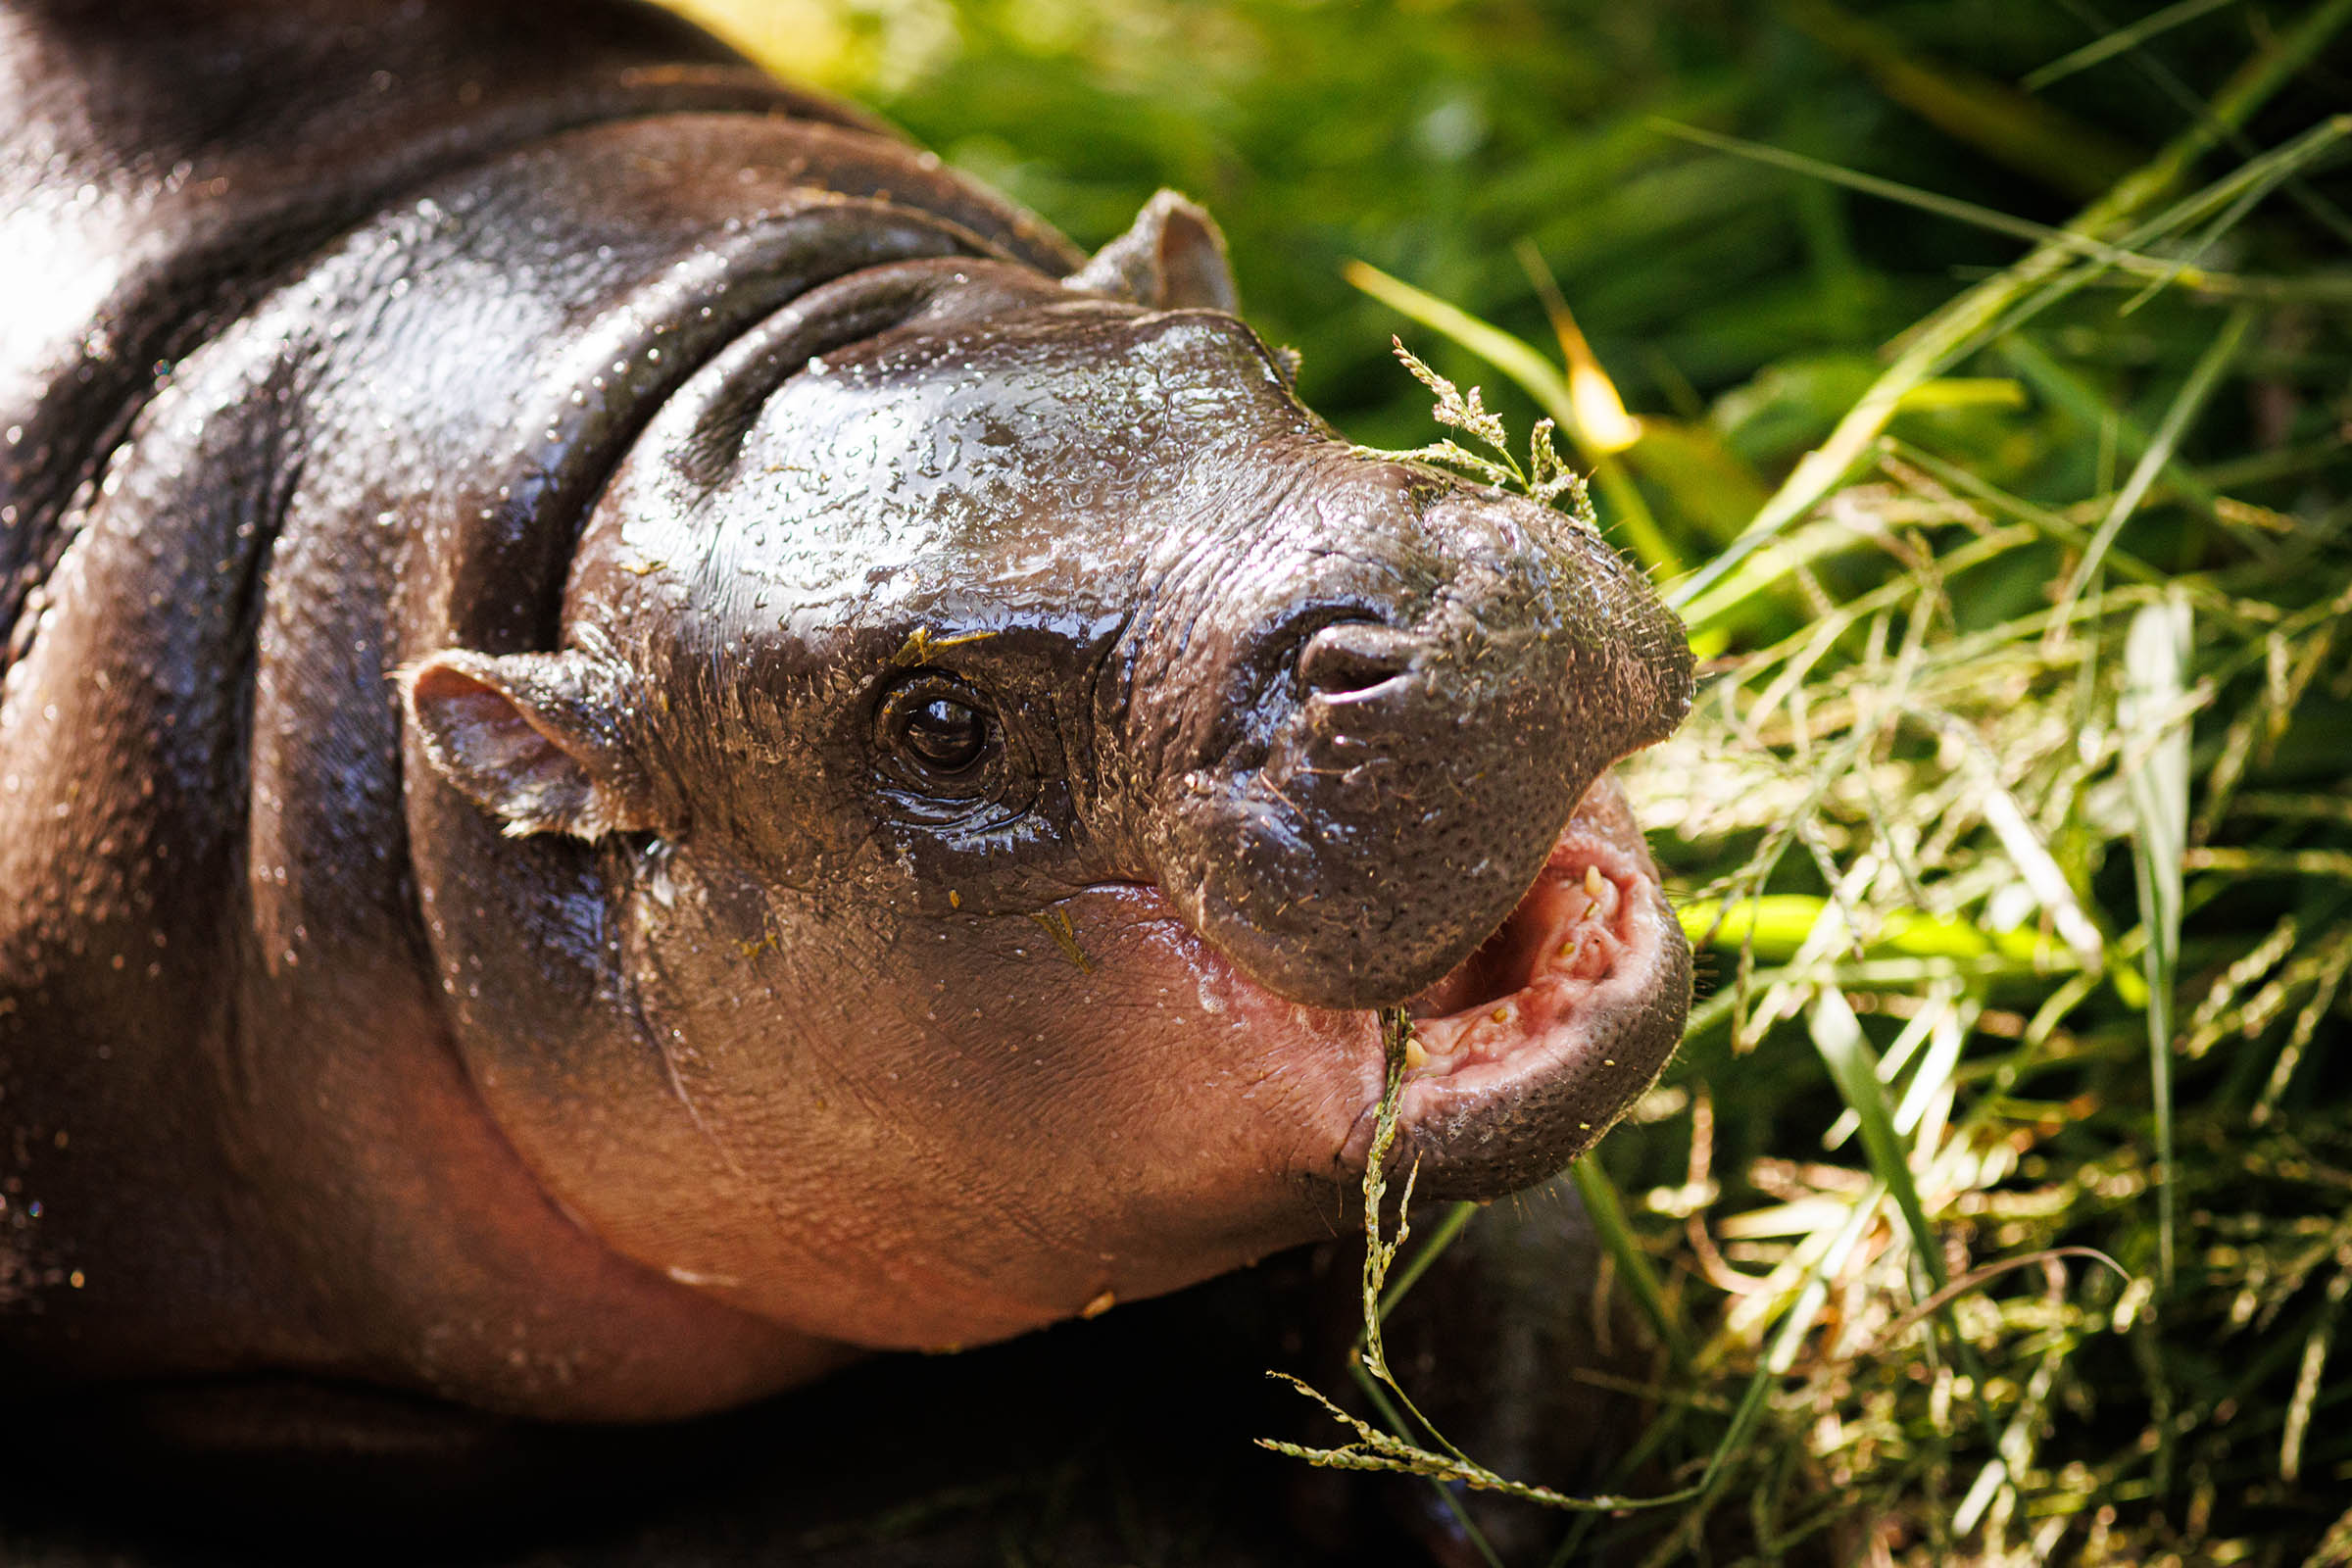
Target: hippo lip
(1529, 1048)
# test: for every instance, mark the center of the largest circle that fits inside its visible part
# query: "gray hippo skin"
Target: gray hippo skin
(647, 742)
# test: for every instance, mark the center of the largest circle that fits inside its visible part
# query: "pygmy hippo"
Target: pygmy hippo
(648, 742)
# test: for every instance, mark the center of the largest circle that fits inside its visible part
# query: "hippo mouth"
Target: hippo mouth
(1523, 1055)
(1578, 934)
(1531, 1048)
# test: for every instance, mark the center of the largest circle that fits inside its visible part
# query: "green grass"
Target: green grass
(2011, 818)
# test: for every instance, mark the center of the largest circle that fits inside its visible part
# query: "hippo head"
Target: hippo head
(1016, 748)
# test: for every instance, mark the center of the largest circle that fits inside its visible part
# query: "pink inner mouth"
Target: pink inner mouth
(1587, 929)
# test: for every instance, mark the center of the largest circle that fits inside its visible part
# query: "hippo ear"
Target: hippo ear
(532, 738)
(1172, 257)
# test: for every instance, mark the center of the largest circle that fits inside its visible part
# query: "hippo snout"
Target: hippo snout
(1416, 754)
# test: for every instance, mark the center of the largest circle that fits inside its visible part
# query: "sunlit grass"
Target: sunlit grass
(2010, 824)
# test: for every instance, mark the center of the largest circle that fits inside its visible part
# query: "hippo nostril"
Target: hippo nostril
(1355, 655)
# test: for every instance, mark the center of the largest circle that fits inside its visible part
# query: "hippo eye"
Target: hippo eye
(937, 738)
(945, 734)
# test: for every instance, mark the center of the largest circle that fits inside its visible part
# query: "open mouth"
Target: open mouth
(1576, 929)
(1535, 1043)
(1524, 1054)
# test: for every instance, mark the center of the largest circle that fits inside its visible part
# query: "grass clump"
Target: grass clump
(2011, 826)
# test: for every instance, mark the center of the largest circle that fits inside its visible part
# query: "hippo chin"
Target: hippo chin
(647, 742)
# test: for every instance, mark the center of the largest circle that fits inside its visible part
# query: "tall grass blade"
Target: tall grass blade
(1961, 212)
(2202, 377)
(2150, 713)
(2121, 41)
(2168, 81)
(1632, 1265)
(2063, 388)
(2029, 135)
(1855, 1069)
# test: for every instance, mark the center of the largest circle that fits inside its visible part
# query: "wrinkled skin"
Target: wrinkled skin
(646, 744)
